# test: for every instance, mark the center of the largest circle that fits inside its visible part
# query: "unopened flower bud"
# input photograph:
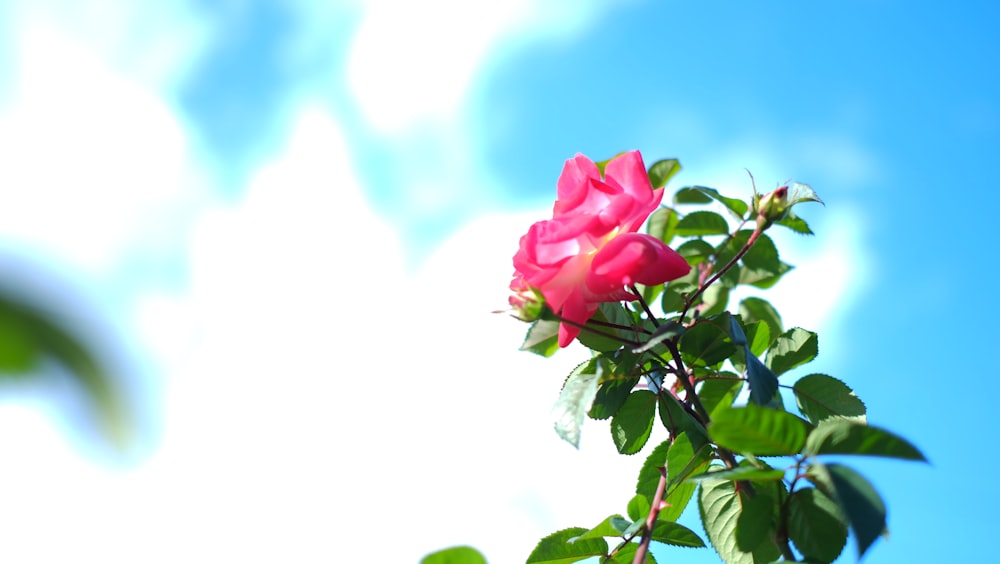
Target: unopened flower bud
(527, 304)
(772, 207)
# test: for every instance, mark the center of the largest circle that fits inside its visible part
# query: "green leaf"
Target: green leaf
(742, 473)
(839, 436)
(690, 195)
(662, 224)
(638, 508)
(796, 224)
(695, 251)
(816, 525)
(761, 265)
(754, 522)
(681, 460)
(542, 338)
(649, 474)
(613, 526)
(737, 207)
(763, 383)
(684, 459)
(792, 348)
(821, 397)
(19, 351)
(758, 337)
(455, 555)
(662, 171)
(675, 534)
(856, 497)
(700, 223)
(626, 555)
(756, 309)
(706, 344)
(674, 295)
(715, 299)
(668, 330)
(758, 430)
(718, 394)
(631, 426)
(798, 193)
(677, 420)
(720, 506)
(763, 255)
(611, 395)
(576, 398)
(561, 548)
(608, 312)
(29, 335)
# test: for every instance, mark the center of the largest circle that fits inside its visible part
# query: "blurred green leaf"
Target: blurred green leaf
(28, 334)
(840, 436)
(759, 430)
(662, 224)
(662, 171)
(857, 499)
(816, 525)
(742, 473)
(455, 555)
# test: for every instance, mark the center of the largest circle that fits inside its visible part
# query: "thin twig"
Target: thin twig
(718, 274)
(654, 511)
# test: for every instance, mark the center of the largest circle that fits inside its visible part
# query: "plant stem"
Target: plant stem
(645, 306)
(718, 274)
(654, 511)
(685, 378)
(584, 327)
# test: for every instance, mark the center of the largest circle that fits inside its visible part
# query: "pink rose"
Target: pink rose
(589, 252)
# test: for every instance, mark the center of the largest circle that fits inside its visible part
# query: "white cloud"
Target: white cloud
(415, 61)
(96, 163)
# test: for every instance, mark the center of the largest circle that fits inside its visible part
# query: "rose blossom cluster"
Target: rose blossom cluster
(589, 252)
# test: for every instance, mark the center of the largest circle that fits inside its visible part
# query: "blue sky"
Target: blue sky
(285, 211)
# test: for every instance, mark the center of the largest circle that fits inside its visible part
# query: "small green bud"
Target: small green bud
(527, 304)
(772, 207)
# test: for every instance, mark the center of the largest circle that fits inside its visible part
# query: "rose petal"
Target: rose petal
(632, 258)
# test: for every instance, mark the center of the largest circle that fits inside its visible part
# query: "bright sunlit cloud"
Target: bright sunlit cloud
(414, 61)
